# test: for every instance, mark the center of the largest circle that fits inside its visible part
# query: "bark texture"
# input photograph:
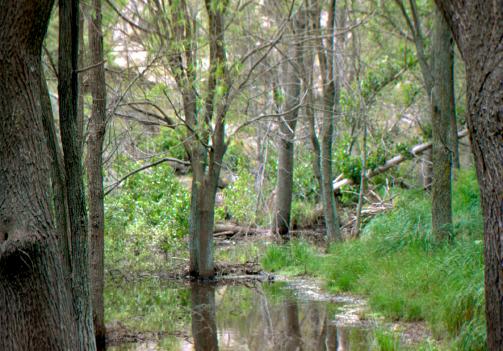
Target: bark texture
(68, 92)
(35, 302)
(476, 27)
(287, 126)
(206, 160)
(331, 94)
(97, 129)
(441, 189)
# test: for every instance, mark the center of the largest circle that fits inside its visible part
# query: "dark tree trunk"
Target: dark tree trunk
(287, 126)
(477, 29)
(68, 92)
(441, 207)
(35, 302)
(97, 129)
(58, 182)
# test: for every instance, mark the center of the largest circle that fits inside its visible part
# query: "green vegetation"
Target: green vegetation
(403, 272)
(149, 216)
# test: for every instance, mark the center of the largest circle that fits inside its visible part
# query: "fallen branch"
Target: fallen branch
(150, 165)
(415, 151)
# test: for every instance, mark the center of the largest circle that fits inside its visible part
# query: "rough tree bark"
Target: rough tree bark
(441, 190)
(287, 126)
(97, 129)
(68, 91)
(35, 302)
(476, 27)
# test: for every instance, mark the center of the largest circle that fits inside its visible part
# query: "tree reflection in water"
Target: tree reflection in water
(204, 327)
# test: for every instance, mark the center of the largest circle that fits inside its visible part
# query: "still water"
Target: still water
(275, 316)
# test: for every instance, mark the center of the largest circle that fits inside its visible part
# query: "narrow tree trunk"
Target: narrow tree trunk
(441, 207)
(476, 27)
(453, 138)
(58, 181)
(363, 179)
(35, 302)
(288, 123)
(331, 93)
(97, 129)
(72, 148)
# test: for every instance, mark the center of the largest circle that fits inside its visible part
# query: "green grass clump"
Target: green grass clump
(406, 275)
(296, 257)
(386, 341)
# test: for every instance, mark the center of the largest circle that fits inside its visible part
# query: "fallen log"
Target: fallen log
(232, 229)
(415, 151)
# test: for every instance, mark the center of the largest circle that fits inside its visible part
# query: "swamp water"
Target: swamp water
(289, 316)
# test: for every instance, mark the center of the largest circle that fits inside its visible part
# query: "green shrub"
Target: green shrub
(240, 199)
(148, 214)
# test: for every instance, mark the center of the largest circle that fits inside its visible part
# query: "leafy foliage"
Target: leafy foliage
(149, 213)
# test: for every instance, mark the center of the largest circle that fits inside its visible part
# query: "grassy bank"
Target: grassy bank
(403, 273)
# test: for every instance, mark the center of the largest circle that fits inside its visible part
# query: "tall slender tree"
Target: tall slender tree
(331, 94)
(68, 92)
(287, 125)
(442, 110)
(97, 130)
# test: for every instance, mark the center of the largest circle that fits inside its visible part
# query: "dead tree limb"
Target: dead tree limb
(414, 151)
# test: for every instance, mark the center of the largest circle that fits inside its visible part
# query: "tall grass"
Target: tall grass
(407, 275)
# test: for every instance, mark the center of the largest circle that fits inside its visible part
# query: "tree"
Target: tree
(97, 129)
(438, 81)
(477, 30)
(442, 110)
(68, 95)
(287, 124)
(36, 311)
(331, 94)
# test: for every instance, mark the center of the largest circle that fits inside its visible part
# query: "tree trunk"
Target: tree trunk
(202, 217)
(72, 148)
(441, 189)
(477, 29)
(58, 182)
(35, 302)
(453, 138)
(97, 129)
(331, 95)
(288, 123)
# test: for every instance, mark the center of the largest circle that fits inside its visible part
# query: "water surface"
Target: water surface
(257, 316)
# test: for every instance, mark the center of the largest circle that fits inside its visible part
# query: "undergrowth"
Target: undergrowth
(404, 273)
